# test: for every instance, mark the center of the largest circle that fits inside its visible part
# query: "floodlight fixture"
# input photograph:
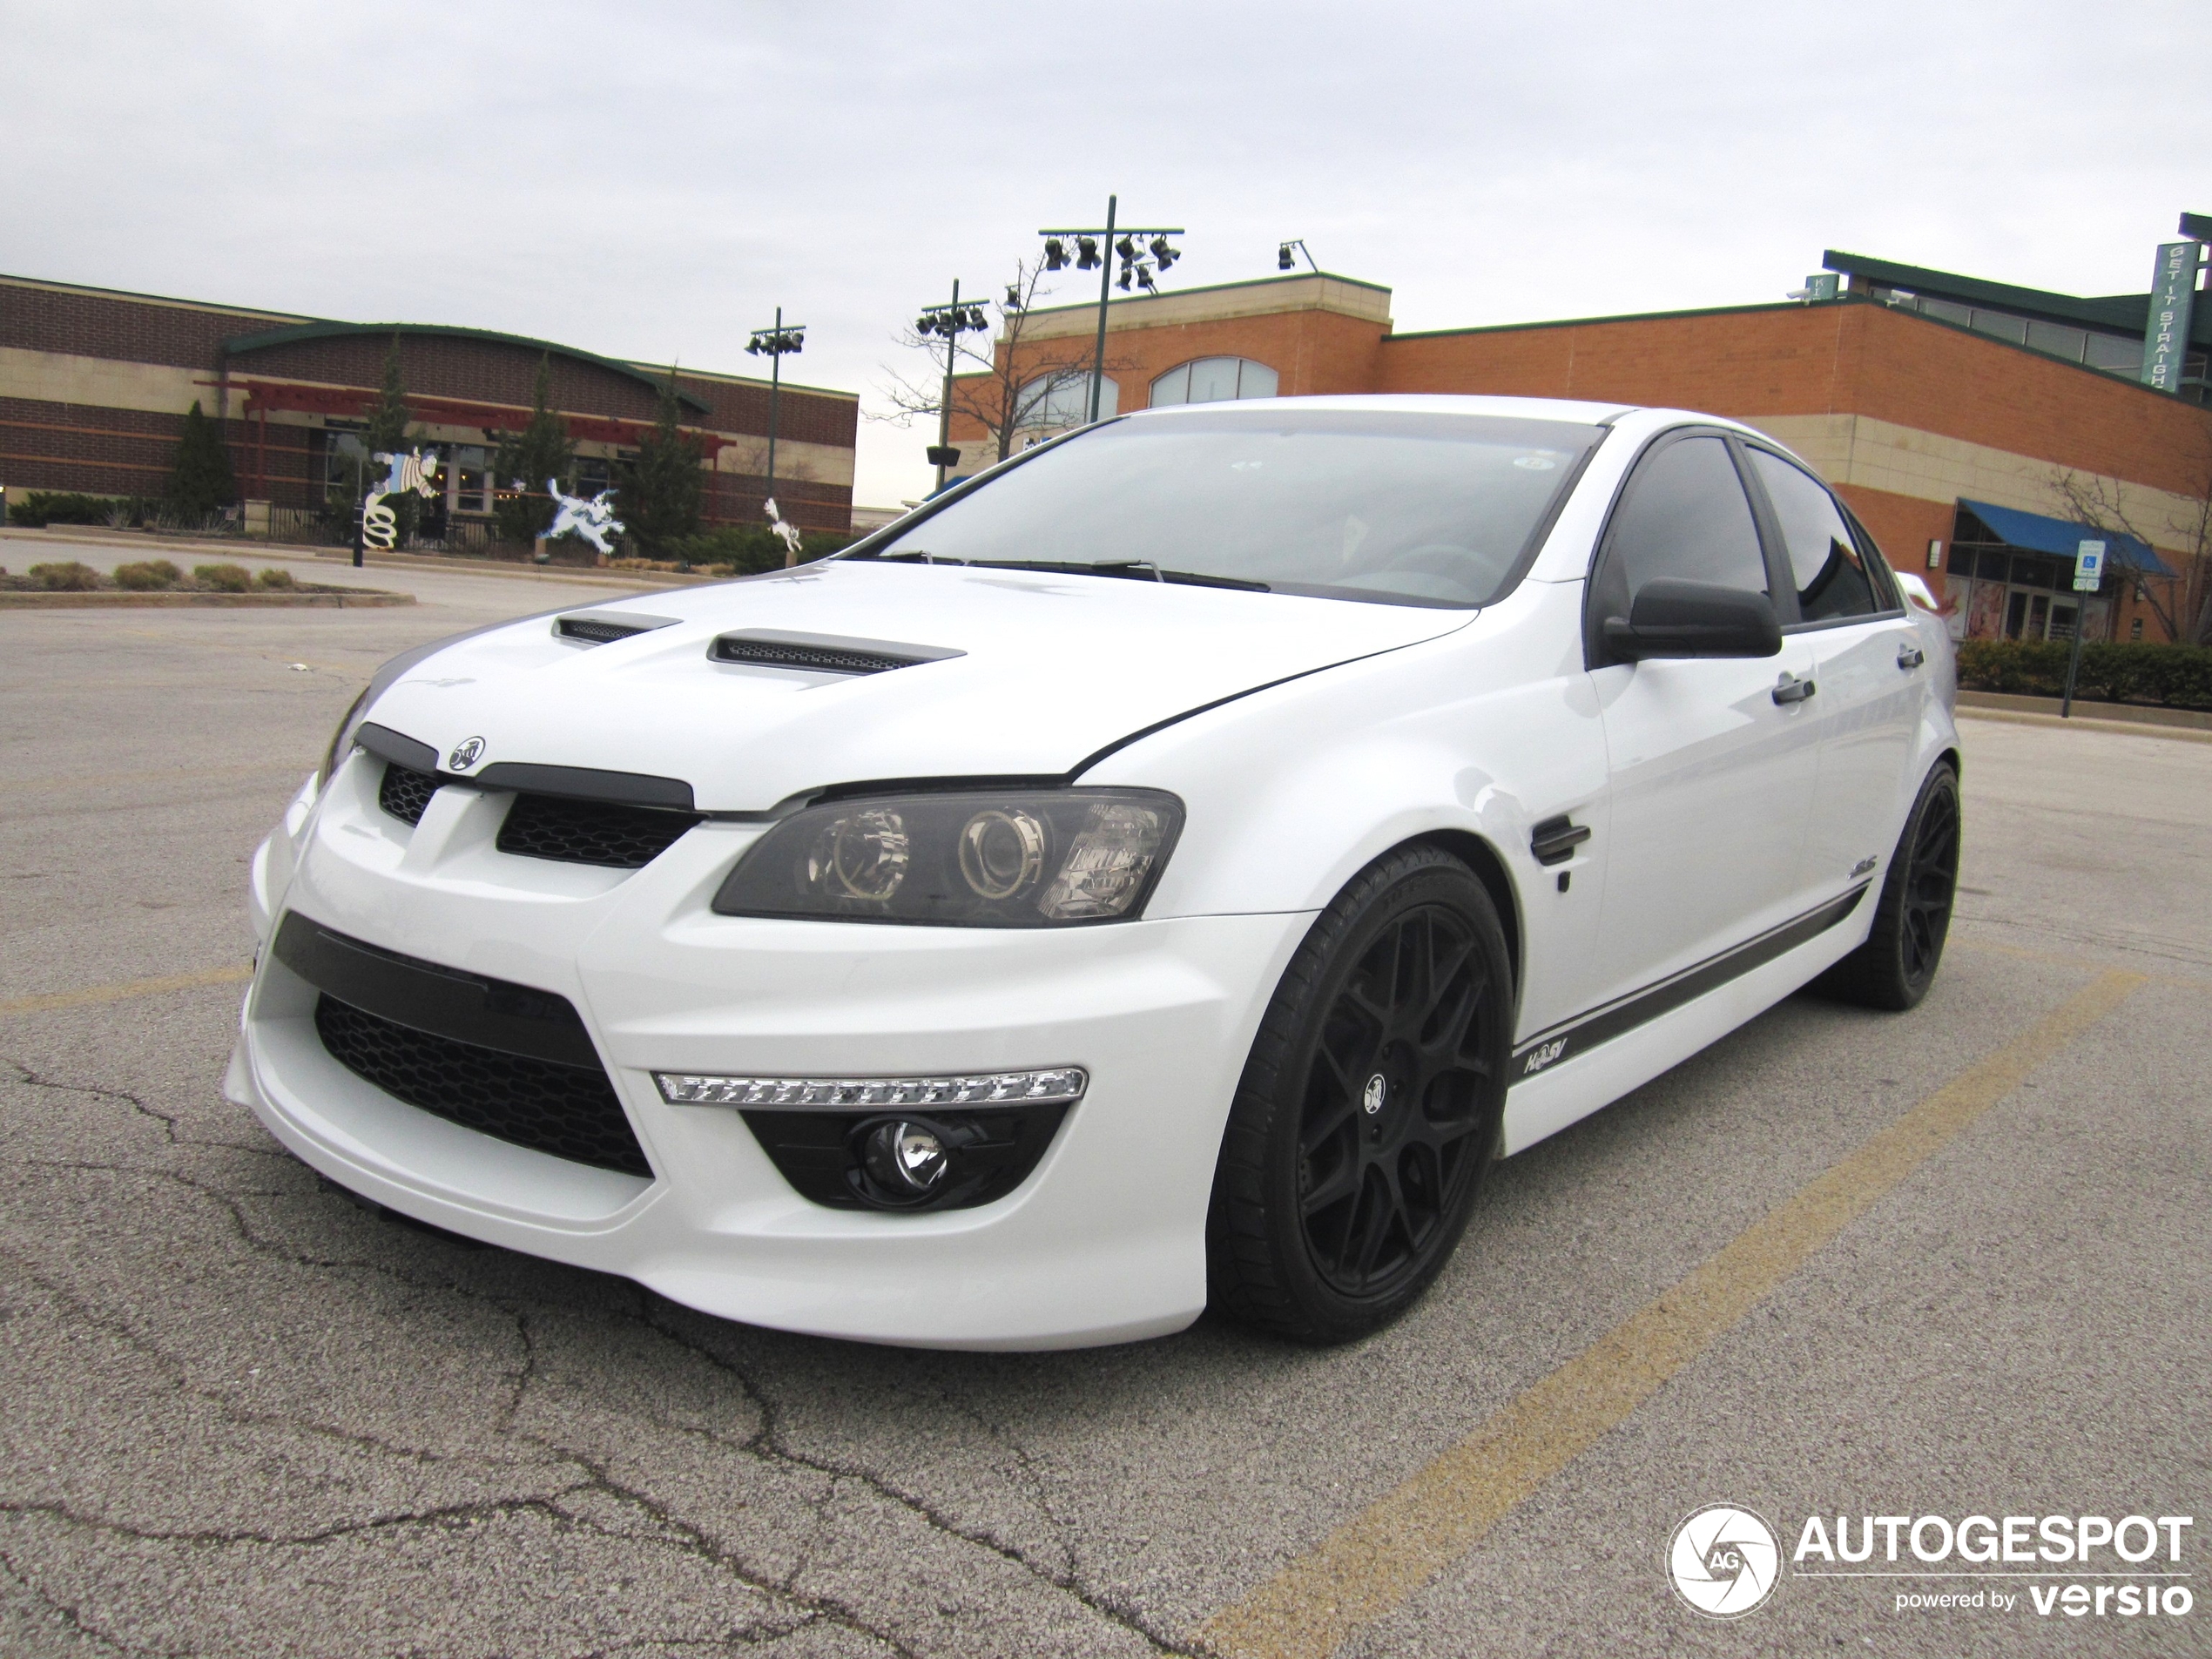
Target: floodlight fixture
(1090, 240)
(949, 322)
(775, 343)
(1056, 254)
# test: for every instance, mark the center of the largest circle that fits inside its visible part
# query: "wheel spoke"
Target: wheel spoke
(1319, 1127)
(1343, 1182)
(1379, 1202)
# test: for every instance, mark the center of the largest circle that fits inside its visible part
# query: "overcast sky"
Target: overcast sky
(650, 180)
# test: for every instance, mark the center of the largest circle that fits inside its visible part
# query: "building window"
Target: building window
(2120, 354)
(1054, 402)
(592, 475)
(346, 464)
(469, 472)
(1214, 379)
(2001, 592)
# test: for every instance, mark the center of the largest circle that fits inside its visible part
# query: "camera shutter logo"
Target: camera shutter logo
(1725, 1561)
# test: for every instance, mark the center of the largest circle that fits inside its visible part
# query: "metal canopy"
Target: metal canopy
(2035, 533)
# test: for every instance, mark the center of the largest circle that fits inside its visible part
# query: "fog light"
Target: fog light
(906, 1157)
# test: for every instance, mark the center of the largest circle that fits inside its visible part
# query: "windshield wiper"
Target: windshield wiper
(1141, 569)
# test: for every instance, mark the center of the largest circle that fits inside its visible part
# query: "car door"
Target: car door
(1869, 672)
(1709, 773)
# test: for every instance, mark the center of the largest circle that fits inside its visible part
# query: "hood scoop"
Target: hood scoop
(821, 653)
(604, 627)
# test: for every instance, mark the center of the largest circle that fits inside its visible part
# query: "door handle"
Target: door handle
(1553, 840)
(1910, 657)
(1789, 689)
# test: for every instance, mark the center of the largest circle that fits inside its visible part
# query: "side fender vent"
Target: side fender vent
(821, 653)
(604, 627)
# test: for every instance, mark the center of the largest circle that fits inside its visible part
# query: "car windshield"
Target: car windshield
(1397, 507)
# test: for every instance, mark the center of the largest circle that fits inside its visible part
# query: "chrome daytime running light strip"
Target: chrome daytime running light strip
(863, 1094)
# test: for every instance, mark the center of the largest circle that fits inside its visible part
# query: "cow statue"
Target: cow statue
(593, 520)
(788, 532)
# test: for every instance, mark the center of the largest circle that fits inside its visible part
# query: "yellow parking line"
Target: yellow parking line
(1379, 1557)
(234, 974)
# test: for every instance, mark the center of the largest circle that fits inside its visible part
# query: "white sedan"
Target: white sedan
(1165, 872)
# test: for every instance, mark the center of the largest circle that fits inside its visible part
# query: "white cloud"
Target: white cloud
(651, 181)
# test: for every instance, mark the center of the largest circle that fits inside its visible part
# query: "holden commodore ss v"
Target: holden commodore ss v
(1164, 871)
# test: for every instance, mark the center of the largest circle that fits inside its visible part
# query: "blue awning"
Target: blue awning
(2039, 535)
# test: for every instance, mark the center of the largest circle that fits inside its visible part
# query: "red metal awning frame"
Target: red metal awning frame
(263, 397)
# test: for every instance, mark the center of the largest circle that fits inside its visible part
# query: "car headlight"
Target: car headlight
(1019, 858)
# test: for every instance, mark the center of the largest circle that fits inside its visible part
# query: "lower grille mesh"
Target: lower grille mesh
(589, 832)
(406, 792)
(570, 1111)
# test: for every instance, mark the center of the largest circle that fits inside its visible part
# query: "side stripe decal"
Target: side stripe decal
(1585, 1031)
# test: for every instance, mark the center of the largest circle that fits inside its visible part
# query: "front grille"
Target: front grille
(570, 1111)
(589, 832)
(405, 793)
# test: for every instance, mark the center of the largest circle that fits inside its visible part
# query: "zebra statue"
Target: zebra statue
(416, 470)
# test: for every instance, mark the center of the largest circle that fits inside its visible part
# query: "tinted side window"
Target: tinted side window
(1685, 516)
(1824, 564)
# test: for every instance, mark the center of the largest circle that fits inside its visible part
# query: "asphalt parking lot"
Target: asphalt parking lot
(1950, 1263)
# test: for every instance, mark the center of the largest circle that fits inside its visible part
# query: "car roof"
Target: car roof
(1520, 408)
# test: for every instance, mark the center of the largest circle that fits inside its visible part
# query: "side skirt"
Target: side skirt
(1565, 1074)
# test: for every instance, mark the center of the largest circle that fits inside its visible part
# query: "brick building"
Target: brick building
(94, 385)
(1942, 409)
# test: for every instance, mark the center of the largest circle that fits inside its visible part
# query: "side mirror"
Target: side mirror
(1671, 617)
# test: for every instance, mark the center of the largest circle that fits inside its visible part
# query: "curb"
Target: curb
(150, 546)
(354, 599)
(2112, 713)
(2084, 722)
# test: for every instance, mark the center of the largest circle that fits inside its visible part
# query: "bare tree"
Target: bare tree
(2184, 610)
(1011, 384)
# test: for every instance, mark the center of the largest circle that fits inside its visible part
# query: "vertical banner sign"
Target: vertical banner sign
(2165, 338)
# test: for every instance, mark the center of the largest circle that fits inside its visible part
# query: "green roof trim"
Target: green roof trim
(2117, 313)
(1213, 287)
(238, 344)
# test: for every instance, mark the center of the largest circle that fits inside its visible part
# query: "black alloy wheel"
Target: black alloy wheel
(1894, 968)
(1370, 1106)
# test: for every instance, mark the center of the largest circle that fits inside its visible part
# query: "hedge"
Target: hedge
(40, 507)
(2175, 677)
(746, 548)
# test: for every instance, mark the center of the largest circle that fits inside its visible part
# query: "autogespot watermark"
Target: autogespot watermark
(1725, 1560)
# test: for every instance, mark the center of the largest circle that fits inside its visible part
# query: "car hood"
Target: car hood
(1050, 668)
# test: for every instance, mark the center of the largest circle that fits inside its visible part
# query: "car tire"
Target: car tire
(1369, 1109)
(1893, 969)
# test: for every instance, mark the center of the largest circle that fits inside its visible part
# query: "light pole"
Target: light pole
(1134, 264)
(951, 320)
(775, 343)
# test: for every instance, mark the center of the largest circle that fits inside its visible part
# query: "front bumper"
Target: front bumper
(1105, 1242)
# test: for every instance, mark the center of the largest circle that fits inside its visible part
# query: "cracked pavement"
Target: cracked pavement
(248, 1416)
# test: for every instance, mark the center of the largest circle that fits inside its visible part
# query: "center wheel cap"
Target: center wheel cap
(1371, 1098)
